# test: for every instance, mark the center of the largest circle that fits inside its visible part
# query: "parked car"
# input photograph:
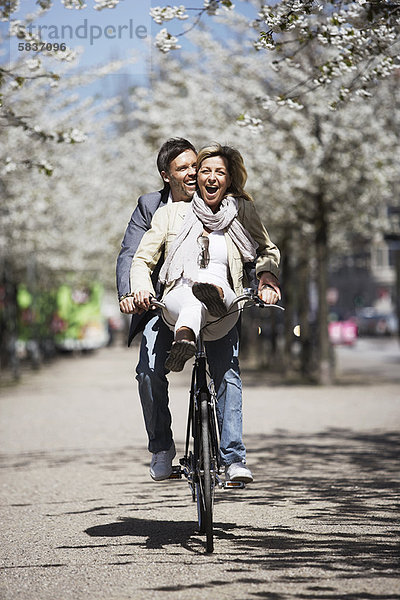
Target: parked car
(370, 322)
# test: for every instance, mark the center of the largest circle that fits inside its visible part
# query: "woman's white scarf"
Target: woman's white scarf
(184, 251)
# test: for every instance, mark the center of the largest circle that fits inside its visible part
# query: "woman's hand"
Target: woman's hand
(142, 300)
(268, 288)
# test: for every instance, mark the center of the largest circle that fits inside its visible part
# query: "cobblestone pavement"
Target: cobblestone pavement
(82, 520)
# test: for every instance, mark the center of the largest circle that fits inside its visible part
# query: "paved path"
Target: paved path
(81, 519)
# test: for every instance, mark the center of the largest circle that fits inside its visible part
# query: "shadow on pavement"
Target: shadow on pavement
(320, 516)
(324, 504)
(157, 533)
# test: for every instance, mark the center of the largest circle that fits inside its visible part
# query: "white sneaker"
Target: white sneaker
(238, 471)
(161, 464)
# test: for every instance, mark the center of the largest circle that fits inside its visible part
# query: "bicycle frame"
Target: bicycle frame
(200, 463)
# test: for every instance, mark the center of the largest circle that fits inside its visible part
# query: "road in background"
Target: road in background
(82, 520)
(376, 360)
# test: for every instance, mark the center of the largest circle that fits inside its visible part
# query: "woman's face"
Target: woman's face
(213, 180)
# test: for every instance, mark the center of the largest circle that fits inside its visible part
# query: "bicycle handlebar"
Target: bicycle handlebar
(248, 294)
(252, 296)
(157, 303)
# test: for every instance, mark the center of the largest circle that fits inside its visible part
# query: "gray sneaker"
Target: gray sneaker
(161, 464)
(238, 471)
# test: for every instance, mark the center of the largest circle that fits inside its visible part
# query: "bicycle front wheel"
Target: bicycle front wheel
(205, 500)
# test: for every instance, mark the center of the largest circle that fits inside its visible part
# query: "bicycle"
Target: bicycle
(201, 462)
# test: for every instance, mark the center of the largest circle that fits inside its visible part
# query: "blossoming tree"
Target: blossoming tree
(318, 175)
(360, 38)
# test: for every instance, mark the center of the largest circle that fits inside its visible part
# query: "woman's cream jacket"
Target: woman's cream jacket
(166, 224)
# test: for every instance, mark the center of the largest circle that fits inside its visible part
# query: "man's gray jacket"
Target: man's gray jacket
(139, 223)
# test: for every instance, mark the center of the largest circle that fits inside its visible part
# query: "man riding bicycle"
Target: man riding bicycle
(176, 163)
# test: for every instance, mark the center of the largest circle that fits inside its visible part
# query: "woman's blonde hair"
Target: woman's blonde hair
(236, 168)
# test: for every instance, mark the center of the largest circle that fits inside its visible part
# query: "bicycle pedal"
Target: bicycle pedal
(234, 484)
(219, 481)
(176, 472)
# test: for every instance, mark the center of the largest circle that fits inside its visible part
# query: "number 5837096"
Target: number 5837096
(41, 47)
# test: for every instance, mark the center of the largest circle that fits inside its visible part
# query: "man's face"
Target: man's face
(181, 176)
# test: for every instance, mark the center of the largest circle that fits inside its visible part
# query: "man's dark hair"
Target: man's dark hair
(170, 150)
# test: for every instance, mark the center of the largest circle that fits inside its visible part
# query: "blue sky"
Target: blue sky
(102, 34)
(112, 33)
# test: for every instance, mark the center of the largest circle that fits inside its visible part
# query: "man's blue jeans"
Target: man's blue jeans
(222, 356)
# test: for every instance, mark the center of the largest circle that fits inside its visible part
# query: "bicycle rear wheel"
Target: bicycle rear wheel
(206, 479)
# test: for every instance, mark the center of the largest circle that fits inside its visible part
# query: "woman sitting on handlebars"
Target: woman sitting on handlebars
(206, 243)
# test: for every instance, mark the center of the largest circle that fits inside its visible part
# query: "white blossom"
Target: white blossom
(252, 124)
(165, 41)
(211, 6)
(358, 39)
(289, 103)
(265, 41)
(363, 93)
(9, 166)
(71, 4)
(45, 167)
(68, 55)
(44, 4)
(17, 29)
(77, 136)
(33, 64)
(102, 4)
(159, 14)
(7, 7)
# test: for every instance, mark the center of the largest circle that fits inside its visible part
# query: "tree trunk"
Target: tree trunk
(324, 350)
(289, 286)
(397, 288)
(307, 352)
(8, 320)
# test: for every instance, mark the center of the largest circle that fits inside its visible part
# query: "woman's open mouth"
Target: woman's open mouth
(211, 190)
